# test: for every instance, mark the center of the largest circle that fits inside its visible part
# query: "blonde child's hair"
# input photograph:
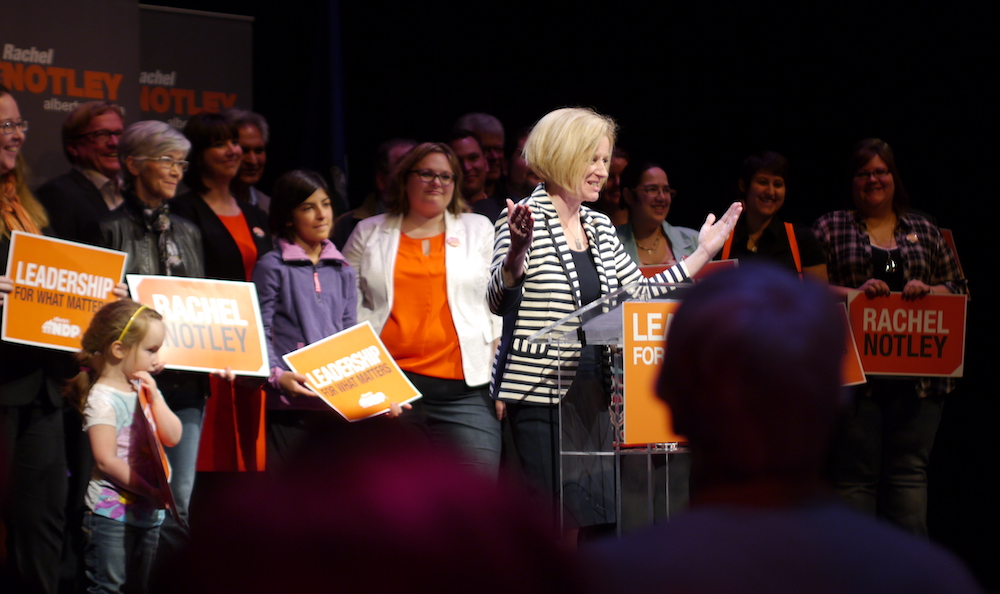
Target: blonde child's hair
(122, 321)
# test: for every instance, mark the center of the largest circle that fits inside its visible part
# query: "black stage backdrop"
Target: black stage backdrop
(696, 86)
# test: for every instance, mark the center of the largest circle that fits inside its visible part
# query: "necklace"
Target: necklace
(887, 245)
(579, 244)
(656, 243)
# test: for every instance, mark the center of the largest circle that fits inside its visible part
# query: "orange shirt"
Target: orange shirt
(420, 333)
(238, 228)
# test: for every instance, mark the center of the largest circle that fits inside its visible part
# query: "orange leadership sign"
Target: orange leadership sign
(210, 324)
(353, 372)
(647, 419)
(922, 337)
(58, 286)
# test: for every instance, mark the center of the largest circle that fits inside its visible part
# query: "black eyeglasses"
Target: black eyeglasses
(166, 162)
(654, 190)
(9, 125)
(879, 173)
(102, 135)
(427, 176)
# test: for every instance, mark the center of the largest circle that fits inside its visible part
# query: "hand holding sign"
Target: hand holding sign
(6, 286)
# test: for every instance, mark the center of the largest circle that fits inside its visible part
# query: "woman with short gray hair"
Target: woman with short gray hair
(153, 157)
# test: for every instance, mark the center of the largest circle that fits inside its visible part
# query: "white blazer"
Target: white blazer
(372, 250)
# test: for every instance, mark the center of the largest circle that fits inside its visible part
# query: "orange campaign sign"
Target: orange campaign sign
(353, 372)
(851, 371)
(210, 324)
(161, 467)
(921, 337)
(647, 419)
(58, 286)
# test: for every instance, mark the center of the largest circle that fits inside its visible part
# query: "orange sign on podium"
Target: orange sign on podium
(353, 372)
(647, 419)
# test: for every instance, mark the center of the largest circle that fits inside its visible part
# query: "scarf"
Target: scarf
(13, 213)
(158, 220)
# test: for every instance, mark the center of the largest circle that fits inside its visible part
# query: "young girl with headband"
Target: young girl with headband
(119, 397)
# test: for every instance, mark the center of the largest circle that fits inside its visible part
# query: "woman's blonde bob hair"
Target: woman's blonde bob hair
(562, 144)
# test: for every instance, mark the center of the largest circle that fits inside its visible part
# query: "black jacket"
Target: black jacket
(222, 256)
(126, 231)
(75, 207)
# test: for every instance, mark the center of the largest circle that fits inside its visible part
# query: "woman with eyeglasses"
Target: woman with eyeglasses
(648, 237)
(880, 459)
(422, 271)
(159, 242)
(760, 233)
(32, 443)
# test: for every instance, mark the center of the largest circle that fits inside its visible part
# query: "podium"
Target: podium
(592, 457)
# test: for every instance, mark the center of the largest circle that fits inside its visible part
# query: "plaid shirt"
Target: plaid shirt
(844, 237)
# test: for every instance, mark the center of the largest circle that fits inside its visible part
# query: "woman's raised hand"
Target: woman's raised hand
(714, 233)
(521, 225)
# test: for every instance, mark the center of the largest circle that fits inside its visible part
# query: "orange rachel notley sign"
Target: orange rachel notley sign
(353, 372)
(58, 286)
(210, 324)
(919, 337)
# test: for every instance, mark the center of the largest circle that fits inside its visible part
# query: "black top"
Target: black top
(590, 291)
(223, 259)
(773, 245)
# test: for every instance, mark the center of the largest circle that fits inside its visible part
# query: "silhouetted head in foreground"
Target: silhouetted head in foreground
(367, 508)
(752, 375)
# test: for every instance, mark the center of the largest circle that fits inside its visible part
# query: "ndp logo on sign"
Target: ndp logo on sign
(60, 327)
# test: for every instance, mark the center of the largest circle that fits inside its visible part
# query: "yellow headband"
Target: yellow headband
(130, 320)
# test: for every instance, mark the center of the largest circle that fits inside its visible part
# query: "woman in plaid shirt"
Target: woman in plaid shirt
(880, 458)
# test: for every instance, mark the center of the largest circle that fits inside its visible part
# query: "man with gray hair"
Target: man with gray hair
(78, 200)
(254, 136)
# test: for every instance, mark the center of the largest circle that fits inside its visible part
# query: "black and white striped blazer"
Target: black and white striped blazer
(550, 291)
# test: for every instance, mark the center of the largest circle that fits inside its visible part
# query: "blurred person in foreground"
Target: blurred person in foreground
(369, 508)
(752, 375)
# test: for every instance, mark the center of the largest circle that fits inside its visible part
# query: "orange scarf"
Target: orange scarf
(13, 213)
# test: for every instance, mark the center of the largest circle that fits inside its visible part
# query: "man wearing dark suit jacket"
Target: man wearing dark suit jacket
(76, 201)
